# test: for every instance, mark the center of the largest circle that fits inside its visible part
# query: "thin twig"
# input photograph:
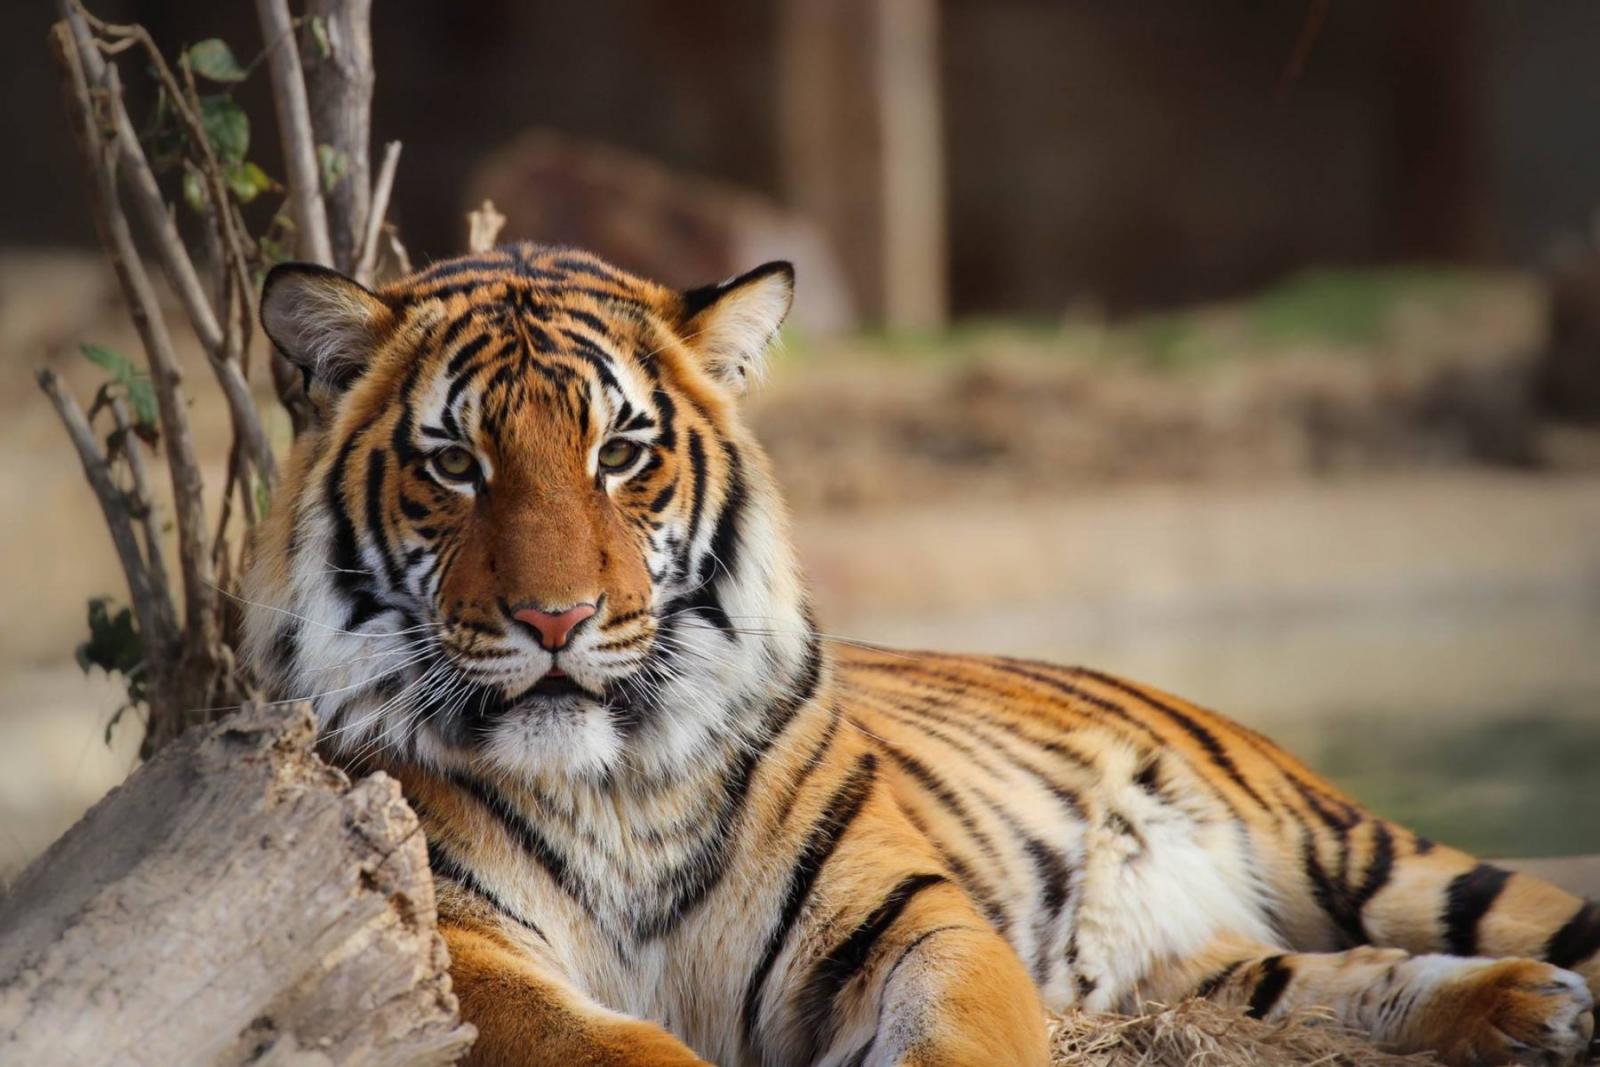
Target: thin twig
(367, 263)
(397, 251)
(142, 504)
(152, 608)
(294, 130)
(165, 373)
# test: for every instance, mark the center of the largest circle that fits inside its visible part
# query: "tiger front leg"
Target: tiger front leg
(955, 997)
(528, 1018)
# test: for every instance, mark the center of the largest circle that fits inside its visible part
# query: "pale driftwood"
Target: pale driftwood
(294, 132)
(339, 84)
(235, 901)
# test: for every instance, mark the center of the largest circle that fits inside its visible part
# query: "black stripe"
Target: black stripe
(350, 575)
(464, 354)
(941, 791)
(697, 482)
(1579, 939)
(1379, 870)
(710, 862)
(377, 529)
(813, 760)
(1274, 980)
(1215, 982)
(1194, 728)
(1468, 899)
(929, 708)
(841, 811)
(443, 865)
(663, 498)
(521, 831)
(815, 1008)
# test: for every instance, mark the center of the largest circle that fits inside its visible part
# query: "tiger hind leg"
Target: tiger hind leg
(1438, 899)
(1469, 1010)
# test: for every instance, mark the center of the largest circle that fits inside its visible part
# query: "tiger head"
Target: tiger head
(529, 527)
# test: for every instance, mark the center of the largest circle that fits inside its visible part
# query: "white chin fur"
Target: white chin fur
(562, 735)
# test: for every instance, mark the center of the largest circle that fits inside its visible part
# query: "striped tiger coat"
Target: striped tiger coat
(531, 562)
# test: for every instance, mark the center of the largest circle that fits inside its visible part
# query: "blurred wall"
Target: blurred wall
(1125, 153)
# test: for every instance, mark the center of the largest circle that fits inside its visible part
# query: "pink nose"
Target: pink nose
(554, 627)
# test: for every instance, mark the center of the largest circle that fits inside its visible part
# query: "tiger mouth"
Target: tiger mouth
(558, 685)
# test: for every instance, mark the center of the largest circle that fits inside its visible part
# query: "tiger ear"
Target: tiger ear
(734, 322)
(326, 324)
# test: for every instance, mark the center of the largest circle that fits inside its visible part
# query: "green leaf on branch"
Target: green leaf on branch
(248, 181)
(226, 126)
(213, 59)
(263, 498)
(194, 190)
(114, 646)
(319, 34)
(334, 164)
(135, 383)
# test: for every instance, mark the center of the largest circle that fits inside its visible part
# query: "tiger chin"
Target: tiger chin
(530, 561)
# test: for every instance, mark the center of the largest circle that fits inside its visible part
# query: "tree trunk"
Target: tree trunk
(235, 901)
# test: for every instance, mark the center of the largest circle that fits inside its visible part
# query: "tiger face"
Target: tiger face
(529, 527)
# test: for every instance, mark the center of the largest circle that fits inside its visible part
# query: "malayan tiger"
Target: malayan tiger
(531, 562)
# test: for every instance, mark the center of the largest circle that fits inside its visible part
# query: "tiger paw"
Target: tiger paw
(1514, 1012)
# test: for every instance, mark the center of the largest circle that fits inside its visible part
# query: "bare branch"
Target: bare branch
(294, 130)
(367, 264)
(142, 504)
(483, 227)
(188, 504)
(151, 208)
(152, 607)
(339, 84)
(148, 203)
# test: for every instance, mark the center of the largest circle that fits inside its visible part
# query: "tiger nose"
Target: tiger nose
(554, 626)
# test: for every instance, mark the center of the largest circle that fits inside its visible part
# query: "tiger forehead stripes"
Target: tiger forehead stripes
(531, 562)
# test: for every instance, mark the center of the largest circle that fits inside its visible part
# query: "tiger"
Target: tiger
(531, 562)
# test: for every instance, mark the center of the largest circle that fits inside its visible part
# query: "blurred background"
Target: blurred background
(1249, 348)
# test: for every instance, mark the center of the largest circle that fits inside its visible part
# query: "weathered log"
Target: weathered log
(235, 901)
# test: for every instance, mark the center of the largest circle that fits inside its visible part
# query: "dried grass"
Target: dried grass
(1196, 1033)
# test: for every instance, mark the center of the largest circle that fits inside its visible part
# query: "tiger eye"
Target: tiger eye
(617, 453)
(456, 463)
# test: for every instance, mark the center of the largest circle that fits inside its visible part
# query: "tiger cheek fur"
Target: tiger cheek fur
(531, 563)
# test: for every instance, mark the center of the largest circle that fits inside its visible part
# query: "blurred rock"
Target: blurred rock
(676, 228)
